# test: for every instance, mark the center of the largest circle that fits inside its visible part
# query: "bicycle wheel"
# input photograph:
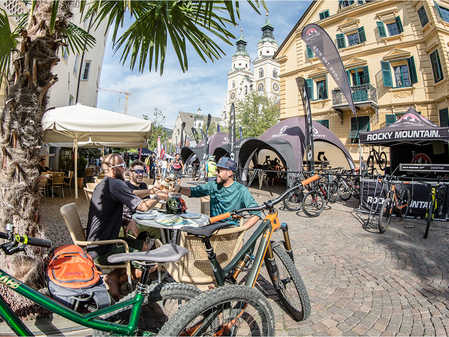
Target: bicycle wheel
(382, 161)
(232, 310)
(293, 200)
(429, 215)
(288, 283)
(313, 204)
(333, 192)
(173, 296)
(385, 215)
(370, 164)
(404, 202)
(344, 191)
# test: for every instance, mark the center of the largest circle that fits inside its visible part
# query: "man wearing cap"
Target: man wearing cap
(225, 194)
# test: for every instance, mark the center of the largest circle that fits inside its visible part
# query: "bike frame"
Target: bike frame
(90, 320)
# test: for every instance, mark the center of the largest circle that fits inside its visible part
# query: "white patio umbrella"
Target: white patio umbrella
(84, 126)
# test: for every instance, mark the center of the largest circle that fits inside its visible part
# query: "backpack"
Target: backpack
(177, 165)
(73, 278)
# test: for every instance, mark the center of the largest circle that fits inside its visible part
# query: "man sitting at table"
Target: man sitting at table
(225, 194)
(139, 188)
(105, 219)
(42, 168)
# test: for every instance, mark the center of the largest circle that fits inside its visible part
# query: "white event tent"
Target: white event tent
(83, 126)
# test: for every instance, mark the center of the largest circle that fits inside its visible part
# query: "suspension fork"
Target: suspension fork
(287, 243)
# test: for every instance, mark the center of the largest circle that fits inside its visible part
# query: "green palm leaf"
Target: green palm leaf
(77, 38)
(8, 43)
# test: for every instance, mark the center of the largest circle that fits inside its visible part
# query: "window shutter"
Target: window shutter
(325, 123)
(310, 88)
(325, 87)
(321, 15)
(443, 117)
(360, 2)
(390, 119)
(381, 28)
(366, 74)
(412, 70)
(399, 23)
(438, 9)
(340, 4)
(349, 77)
(309, 52)
(423, 16)
(341, 42)
(362, 36)
(386, 74)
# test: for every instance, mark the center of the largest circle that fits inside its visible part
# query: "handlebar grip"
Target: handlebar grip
(36, 242)
(309, 180)
(220, 217)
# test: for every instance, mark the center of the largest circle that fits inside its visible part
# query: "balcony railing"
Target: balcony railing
(364, 94)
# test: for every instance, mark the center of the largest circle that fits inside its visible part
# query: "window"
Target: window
(324, 14)
(394, 27)
(404, 73)
(442, 12)
(85, 74)
(260, 72)
(443, 117)
(233, 84)
(353, 37)
(75, 66)
(390, 119)
(358, 76)
(260, 87)
(345, 3)
(324, 122)
(309, 52)
(70, 100)
(321, 89)
(65, 53)
(363, 126)
(436, 66)
(318, 84)
(423, 16)
(275, 73)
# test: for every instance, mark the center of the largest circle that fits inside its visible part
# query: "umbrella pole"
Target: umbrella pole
(75, 164)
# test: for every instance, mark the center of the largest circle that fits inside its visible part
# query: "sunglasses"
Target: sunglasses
(138, 171)
(119, 165)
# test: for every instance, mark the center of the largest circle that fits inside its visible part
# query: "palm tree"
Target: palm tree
(27, 56)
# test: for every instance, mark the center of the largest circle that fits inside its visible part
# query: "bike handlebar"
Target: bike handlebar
(26, 240)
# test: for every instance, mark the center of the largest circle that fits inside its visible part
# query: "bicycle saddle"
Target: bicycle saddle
(166, 253)
(206, 231)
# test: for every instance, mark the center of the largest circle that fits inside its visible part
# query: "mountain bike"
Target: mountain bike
(348, 185)
(379, 157)
(324, 191)
(278, 257)
(399, 200)
(293, 200)
(435, 204)
(103, 320)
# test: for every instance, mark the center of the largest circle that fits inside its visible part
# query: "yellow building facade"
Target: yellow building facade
(394, 52)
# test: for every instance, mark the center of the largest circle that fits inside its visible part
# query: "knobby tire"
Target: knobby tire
(431, 206)
(344, 191)
(404, 202)
(333, 192)
(382, 161)
(385, 215)
(313, 204)
(293, 200)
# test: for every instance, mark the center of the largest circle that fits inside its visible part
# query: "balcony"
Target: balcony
(364, 95)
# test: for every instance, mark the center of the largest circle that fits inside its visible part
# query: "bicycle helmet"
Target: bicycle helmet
(176, 205)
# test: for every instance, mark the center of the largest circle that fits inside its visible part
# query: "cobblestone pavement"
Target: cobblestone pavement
(359, 282)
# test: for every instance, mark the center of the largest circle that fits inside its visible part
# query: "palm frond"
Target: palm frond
(77, 38)
(8, 42)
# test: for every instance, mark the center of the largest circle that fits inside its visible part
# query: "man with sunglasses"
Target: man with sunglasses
(106, 218)
(225, 194)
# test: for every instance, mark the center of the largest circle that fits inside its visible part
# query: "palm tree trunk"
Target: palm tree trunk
(21, 140)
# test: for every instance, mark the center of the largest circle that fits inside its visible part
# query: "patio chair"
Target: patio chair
(91, 186)
(89, 174)
(88, 193)
(68, 181)
(195, 268)
(40, 186)
(57, 182)
(73, 222)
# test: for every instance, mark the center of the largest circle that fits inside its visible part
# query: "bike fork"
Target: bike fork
(287, 243)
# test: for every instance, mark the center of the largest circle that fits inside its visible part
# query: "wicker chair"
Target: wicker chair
(68, 181)
(57, 182)
(73, 222)
(88, 193)
(91, 186)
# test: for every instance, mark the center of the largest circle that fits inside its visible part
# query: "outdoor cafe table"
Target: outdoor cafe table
(155, 222)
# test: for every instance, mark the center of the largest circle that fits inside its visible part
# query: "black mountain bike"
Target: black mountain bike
(379, 157)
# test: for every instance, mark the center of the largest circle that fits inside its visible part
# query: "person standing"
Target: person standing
(211, 168)
(178, 167)
(164, 167)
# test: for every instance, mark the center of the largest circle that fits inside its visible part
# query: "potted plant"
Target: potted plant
(81, 169)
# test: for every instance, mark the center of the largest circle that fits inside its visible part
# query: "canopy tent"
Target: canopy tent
(411, 128)
(76, 124)
(215, 140)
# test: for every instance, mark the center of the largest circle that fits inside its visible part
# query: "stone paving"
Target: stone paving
(359, 282)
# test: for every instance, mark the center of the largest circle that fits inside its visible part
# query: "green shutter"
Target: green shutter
(386, 74)
(399, 23)
(349, 77)
(324, 14)
(310, 88)
(443, 117)
(325, 87)
(321, 15)
(381, 28)
(326, 123)
(438, 9)
(366, 74)
(412, 70)
(390, 119)
(309, 52)
(423, 16)
(362, 36)
(341, 41)
(340, 3)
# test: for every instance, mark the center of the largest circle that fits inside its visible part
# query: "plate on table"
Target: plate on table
(147, 212)
(145, 216)
(171, 221)
(191, 215)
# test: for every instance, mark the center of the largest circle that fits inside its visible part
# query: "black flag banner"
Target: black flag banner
(304, 91)
(322, 46)
(232, 131)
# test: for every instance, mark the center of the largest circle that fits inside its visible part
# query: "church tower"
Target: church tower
(240, 78)
(266, 70)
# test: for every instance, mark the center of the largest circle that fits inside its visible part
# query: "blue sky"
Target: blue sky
(204, 84)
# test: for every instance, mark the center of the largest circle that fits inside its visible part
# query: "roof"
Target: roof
(189, 118)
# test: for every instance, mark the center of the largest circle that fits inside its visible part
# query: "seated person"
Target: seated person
(225, 194)
(42, 168)
(105, 219)
(139, 188)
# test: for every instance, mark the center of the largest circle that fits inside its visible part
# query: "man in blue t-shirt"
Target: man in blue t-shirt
(225, 194)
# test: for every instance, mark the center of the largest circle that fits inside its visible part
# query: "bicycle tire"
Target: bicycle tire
(382, 161)
(313, 204)
(404, 202)
(333, 192)
(232, 320)
(429, 215)
(370, 164)
(290, 288)
(293, 200)
(344, 191)
(385, 215)
(165, 292)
